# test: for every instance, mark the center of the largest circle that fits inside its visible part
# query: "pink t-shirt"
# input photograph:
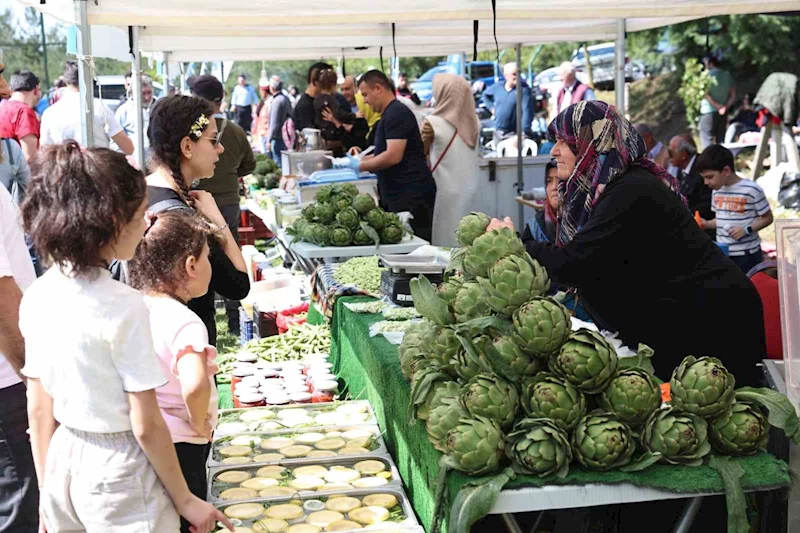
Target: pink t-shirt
(176, 331)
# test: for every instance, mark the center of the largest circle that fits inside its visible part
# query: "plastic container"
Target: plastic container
(250, 400)
(300, 397)
(346, 413)
(323, 391)
(787, 235)
(278, 399)
(237, 375)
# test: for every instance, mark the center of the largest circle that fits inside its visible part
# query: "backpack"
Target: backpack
(119, 269)
(289, 134)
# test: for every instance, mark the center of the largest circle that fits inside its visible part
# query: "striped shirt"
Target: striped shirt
(739, 204)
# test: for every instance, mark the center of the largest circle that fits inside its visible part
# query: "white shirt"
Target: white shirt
(62, 121)
(87, 338)
(126, 117)
(15, 262)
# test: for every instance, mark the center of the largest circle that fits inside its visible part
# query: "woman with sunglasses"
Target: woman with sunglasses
(185, 147)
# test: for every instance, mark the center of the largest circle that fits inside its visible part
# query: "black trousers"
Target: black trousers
(19, 491)
(192, 458)
(419, 201)
(243, 116)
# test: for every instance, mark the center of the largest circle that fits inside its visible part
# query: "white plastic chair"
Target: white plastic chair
(506, 148)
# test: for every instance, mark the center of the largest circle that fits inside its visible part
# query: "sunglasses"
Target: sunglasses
(215, 140)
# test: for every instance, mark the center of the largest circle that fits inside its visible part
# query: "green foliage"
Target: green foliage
(695, 84)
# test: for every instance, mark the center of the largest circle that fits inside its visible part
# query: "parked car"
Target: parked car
(603, 59)
(482, 72)
(110, 89)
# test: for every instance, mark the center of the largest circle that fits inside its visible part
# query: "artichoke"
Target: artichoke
(391, 234)
(681, 438)
(360, 238)
(601, 442)
(471, 227)
(443, 345)
(448, 290)
(587, 360)
(741, 430)
(541, 326)
(348, 218)
(349, 189)
(324, 213)
(393, 219)
(539, 446)
(341, 201)
(632, 395)
(470, 302)
(511, 362)
(364, 203)
(308, 212)
(376, 218)
(489, 248)
(298, 226)
(476, 445)
(341, 236)
(465, 367)
(512, 281)
(309, 229)
(320, 234)
(549, 396)
(413, 347)
(702, 386)
(442, 419)
(324, 194)
(493, 397)
(441, 390)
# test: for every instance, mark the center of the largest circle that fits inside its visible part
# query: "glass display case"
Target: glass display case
(787, 235)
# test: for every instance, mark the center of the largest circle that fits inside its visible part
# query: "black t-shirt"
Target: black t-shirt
(226, 280)
(304, 113)
(644, 268)
(411, 174)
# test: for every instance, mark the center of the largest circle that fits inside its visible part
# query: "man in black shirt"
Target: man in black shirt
(405, 182)
(304, 110)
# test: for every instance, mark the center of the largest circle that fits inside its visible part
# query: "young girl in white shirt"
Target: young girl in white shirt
(171, 267)
(97, 435)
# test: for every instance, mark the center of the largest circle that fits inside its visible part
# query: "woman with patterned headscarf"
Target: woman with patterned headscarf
(642, 266)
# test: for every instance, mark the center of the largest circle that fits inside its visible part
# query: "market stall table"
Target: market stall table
(371, 369)
(308, 250)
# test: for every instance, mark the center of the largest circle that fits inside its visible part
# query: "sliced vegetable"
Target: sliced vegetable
(341, 475)
(303, 528)
(343, 525)
(276, 443)
(267, 458)
(238, 493)
(244, 511)
(233, 476)
(356, 434)
(256, 414)
(353, 450)
(321, 453)
(335, 486)
(286, 511)
(273, 471)
(343, 504)
(307, 483)
(245, 440)
(311, 470)
(324, 518)
(236, 460)
(272, 492)
(369, 515)
(331, 444)
(370, 467)
(259, 483)
(309, 438)
(369, 482)
(300, 450)
(387, 501)
(235, 451)
(270, 525)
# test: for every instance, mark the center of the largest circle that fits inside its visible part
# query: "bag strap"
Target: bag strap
(10, 153)
(453, 138)
(167, 205)
(224, 125)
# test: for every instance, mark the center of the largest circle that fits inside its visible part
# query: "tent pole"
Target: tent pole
(619, 82)
(86, 87)
(166, 73)
(138, 117)
(520, 129)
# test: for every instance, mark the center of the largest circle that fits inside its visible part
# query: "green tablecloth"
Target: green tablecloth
(371, 369)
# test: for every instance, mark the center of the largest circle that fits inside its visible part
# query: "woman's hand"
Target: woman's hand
(496, 223)
(202, 516)
(355, 150)
(207, 206)
(328, 116)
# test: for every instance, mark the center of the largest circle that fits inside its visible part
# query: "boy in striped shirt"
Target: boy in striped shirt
(741, 207)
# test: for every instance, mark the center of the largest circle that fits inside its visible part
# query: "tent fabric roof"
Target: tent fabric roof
(214, 14)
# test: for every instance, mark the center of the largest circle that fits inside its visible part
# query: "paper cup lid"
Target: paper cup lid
(300, 396)
(244, 391)
(326, 385)
(251, 398)
(242, 372)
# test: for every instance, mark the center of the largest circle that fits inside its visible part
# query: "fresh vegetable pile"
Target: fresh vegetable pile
(298, 342)
(343, 217)
(499, 377)
(267, 174)
(362, 272)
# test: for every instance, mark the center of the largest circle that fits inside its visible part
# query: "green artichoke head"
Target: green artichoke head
(393, 219)
(324, 194)
(541, 326)
(341, 201)
(741, 430)
(505, 355)
(324, 213)
(341, 236)
(470, 302)
(376, 218)
(413, 348)
(587, 360)
(349, 189)
(391, 234)
(360, 238)
(680, 437)
(308, 212)
(493, 397)
(448, 290)
(298, 226)
(471, 227)
(441, 390)
(443, 346)
(364, 203)
(601, 442)
(549, 396)
(442, 419)
(348, 218)
(632, 395)
(489, 248)
(539, 447)
(702, 386)
(320, 234)
(309, 230)
(512, 282)
(465, 367)
(476, 445)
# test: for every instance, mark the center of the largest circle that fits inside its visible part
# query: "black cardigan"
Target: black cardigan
(644, 268)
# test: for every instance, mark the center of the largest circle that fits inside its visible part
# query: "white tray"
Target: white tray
(313, 251)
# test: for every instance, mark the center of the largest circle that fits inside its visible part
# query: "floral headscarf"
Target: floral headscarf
(606, 146)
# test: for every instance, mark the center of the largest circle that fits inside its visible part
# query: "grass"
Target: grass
(226, 341)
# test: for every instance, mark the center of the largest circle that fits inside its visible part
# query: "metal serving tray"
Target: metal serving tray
(263, 453)
(229, 419)
(284, 479)
(402, 512)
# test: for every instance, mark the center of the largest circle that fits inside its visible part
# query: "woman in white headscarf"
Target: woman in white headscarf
(450, 135)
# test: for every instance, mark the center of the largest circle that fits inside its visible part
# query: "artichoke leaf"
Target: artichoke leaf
(731, 473)
(456, 263)
(470, 349)
(475, 500)
(642, 462)
(498, 364)
(477, 325)
(781, 411)
(642, 360)
(369, 230)
(428, 302)
(421, 389)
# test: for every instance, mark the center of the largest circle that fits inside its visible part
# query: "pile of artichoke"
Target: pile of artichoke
(498, 375)
(341, 216)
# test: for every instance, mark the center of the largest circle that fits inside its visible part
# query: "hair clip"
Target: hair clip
(150, 219)
(199, 125)
(133, 162)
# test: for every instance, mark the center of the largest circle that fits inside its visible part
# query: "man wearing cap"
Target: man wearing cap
(243, 99)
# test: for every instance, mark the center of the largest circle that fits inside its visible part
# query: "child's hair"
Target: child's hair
(326, 79)
(172, 237)
(715, 157)
(78, 201)
(171, 119)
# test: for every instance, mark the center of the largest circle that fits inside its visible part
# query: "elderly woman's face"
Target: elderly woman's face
(564, 158)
